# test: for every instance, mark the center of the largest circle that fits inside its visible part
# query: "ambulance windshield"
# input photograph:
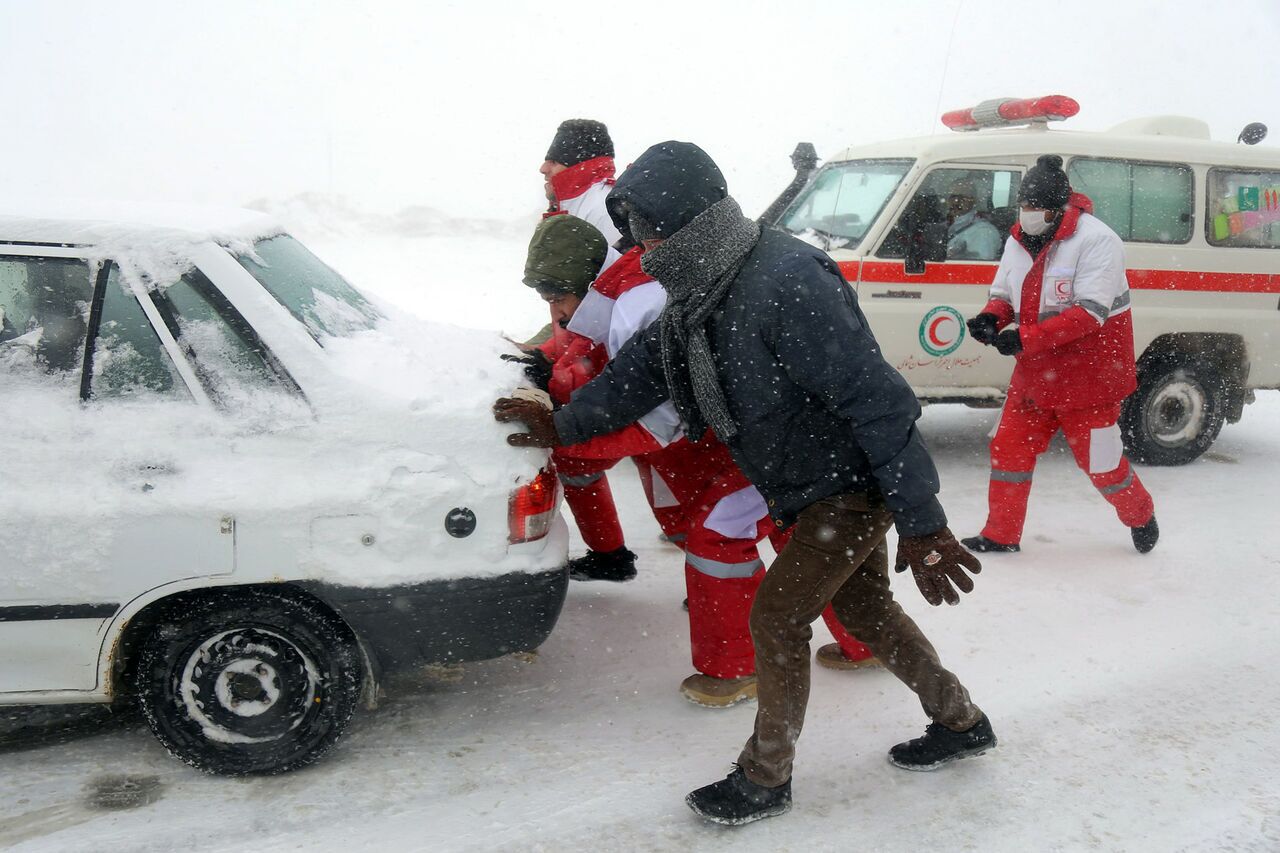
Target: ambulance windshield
(838, 206)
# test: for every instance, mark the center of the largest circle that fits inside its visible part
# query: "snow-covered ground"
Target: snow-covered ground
(1133, 695)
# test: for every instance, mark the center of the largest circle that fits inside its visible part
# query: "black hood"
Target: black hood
(668, 185)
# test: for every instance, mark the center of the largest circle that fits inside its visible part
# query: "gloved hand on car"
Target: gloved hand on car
(534, 413)
(537, 367)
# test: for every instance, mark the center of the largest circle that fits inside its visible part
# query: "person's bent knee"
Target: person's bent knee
(772, 626)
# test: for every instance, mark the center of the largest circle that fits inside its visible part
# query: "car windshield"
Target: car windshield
(315, 294)
(838, 206)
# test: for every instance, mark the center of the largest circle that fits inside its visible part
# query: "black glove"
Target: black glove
(937, 560)
(542, 428)
(1008, 342)
(537, 367)
(983, 327)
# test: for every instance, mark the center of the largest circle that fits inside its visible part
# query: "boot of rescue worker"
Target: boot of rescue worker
(711, 692)
(1144, 537)
(982, 545)
(618, 566)
(846, 653)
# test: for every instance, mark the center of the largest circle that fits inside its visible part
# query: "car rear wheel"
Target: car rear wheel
(1176, 413)
(248, 681)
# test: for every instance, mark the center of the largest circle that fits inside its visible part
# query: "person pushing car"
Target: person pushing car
(762, 341)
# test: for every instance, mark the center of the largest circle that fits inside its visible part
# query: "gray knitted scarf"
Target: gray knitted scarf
(696, 266)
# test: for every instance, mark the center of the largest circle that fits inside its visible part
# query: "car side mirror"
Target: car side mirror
(926, 245)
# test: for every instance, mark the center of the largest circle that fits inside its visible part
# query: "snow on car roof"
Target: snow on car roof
(97, 222)
(152, 243)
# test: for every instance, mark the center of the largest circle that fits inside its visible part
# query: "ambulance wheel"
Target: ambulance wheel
(248, 681)
(1176, 413)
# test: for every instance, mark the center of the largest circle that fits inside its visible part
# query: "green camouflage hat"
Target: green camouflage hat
(565, 255)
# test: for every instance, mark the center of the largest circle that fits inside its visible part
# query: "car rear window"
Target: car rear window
(320, 298)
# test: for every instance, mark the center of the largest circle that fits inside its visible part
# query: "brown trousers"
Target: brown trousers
(837, 554)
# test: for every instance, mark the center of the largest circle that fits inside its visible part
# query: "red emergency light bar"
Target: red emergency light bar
(1007, 112)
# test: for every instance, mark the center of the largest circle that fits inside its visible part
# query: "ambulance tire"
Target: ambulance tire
(1177, 411)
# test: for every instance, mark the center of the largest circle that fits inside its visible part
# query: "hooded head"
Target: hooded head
(1045, 186)
(664, 190)
(578, 140)
(565, 256)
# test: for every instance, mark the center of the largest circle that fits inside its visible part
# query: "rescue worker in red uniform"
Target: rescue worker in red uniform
(723, 515)
(578, 173)
(565, 255)
(1062, 280)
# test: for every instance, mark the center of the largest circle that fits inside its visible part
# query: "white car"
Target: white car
(233, 488)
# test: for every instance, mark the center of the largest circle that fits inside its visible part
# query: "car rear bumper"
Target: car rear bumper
(464, 619)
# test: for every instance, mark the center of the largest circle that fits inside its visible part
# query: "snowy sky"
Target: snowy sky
(452, 105)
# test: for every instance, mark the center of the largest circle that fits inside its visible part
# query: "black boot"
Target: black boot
(1144, 537)
(618, 566)
(941, 746)
(737, 800)
(982, 545)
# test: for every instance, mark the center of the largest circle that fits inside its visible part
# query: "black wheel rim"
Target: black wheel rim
(249, 686)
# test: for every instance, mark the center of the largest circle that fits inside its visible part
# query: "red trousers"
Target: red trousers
(665, 506)
(1024, 432)
(586, 490)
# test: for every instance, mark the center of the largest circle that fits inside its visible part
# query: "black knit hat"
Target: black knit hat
(578, 140)
(1045, 185)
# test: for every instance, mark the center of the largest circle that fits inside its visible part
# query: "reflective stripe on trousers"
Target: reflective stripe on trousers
(724, 570)
(580, 481)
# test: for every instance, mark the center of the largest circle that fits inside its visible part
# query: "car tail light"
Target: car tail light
(532, 508)
(1006, 112)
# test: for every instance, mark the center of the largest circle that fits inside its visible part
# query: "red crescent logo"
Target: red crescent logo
(933, 332)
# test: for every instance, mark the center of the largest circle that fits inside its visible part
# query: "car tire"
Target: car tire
(241, 682)
(1176, 413)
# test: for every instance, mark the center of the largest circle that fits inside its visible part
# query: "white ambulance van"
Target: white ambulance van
(918, 226)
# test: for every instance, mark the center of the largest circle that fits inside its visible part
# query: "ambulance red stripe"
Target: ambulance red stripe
(890, 272)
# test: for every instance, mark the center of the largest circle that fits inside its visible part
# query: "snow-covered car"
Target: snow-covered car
(236, 491)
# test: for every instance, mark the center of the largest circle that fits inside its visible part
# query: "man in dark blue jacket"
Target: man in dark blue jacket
(763, 341)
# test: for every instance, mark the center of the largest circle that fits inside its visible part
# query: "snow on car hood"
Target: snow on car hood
(400, 432)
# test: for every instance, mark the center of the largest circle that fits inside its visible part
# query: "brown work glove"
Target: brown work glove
(937, 560)
(542, 429)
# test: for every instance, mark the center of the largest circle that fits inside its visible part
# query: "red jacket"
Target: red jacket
(623, 276)
(575, 361)
(1072, 306)
(619, 304)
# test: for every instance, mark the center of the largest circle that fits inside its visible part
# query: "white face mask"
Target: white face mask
(1033, 222)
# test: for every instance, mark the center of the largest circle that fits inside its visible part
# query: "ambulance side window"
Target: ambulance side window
(1244, 209)
(1142, 202)
(979, 206)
